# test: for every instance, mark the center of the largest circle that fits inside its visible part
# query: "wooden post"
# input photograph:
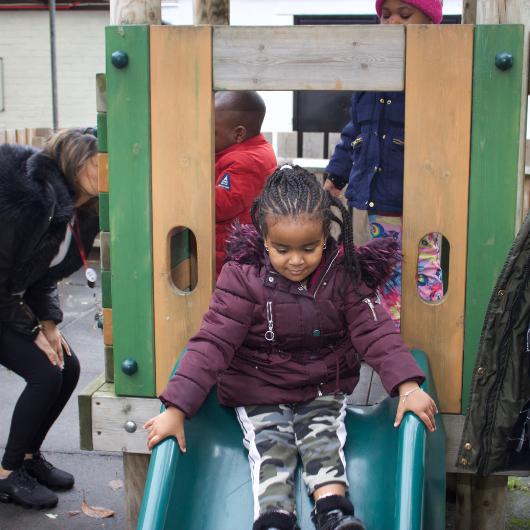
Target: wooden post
(124, 12)
(135, 12)
(512, 12)
(469, 12)
(135, 468)
(480, 502)
(214, 12)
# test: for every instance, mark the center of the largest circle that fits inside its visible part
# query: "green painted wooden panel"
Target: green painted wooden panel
(109, 364)
(128, 131)
(102, 132)
(106, 295)
(104, 212)
(494, 173)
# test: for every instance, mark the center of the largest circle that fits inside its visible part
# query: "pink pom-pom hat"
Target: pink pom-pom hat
(432, 8)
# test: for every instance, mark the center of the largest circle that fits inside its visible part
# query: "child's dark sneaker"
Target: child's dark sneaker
(335, 513)
(47, 474)
(276, 520)
(21, 488)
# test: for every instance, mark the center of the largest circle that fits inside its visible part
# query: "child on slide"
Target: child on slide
(293, 313)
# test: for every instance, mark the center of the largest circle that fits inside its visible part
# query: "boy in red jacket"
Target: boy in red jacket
(243, 161)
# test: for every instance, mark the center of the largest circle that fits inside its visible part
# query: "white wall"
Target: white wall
(25, 50)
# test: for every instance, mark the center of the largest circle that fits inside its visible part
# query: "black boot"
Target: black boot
(335, 513)
(276, 520)
(47, 474)
(23, 489)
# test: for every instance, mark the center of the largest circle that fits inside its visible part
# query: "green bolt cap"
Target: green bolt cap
(129, 366)
(504, 60)
(119, 59)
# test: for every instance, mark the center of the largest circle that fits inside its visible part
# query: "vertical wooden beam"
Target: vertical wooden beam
(213, 12)
(513, 12)
(135, 12)
(437, 130)
(494, 176)
(135, 468)
(128, 124)
(469, 12)
(183, 160)
(480, 502)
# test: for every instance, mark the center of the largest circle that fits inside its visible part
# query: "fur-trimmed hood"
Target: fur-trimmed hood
(377, 258)
(32, 186)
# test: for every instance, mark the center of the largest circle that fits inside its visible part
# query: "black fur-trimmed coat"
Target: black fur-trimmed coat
(36, 205)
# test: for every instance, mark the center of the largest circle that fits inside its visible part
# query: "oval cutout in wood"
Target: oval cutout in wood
(432, 277)
(183, 259)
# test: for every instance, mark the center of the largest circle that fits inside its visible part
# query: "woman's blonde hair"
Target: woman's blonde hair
(70, 149)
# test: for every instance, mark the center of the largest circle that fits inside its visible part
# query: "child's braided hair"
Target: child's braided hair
(292, 191)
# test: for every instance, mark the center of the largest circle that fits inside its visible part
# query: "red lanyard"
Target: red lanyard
(74, 227)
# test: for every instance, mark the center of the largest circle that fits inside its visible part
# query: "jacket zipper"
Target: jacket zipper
(325, 274)
(492, 400)
(368, 302)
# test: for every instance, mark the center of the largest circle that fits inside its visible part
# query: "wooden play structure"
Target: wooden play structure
(466, 89)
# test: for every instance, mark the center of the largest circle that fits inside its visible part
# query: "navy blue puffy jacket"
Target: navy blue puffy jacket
(369, 156)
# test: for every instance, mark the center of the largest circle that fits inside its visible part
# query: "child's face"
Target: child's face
(295, 245)
(398, 12)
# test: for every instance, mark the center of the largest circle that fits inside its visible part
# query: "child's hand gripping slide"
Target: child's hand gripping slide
(168, 423)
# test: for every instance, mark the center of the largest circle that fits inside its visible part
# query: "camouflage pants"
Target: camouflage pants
(276, 434)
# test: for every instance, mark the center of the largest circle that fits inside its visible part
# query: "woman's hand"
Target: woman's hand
(42, 343)
(55, 339)
(412, 398)
(168, 423)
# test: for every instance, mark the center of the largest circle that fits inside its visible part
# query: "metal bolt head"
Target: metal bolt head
(130, 426)
(119, 59)
(504, 60)
(129, 366)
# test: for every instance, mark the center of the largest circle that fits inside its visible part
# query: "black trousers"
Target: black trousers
(47, 391)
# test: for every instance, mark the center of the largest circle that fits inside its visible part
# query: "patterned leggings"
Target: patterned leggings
(429, 278)
(276, 434)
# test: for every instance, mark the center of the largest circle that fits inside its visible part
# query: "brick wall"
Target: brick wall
(25, 50)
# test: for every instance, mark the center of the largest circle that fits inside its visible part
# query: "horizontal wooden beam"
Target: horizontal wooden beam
(309, 58)
(114, 417)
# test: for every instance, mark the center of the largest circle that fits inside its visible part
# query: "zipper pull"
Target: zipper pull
(371, 306)
(269, 334)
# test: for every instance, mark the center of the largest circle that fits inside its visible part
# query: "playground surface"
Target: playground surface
(98, 473)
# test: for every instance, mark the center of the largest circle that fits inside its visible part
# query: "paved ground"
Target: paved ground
(95, 471)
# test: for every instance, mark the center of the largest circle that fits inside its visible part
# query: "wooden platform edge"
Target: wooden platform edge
(117, 421)
(84, 400)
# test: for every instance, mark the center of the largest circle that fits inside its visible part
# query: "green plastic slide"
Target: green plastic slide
(397, 476)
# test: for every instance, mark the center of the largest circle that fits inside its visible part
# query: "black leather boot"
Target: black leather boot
(21, 488)
(276, 520)
(48, 475)
(335, 513)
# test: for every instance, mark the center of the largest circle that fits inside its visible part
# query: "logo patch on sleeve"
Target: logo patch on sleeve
(225, 182)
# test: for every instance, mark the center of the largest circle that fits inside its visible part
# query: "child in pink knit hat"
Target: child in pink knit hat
(409, 11)
(369, 159)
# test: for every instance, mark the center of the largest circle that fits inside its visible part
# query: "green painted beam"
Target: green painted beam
(128, 132)
(493, 177)
(102, 132)
(106, 294)
(104, 211)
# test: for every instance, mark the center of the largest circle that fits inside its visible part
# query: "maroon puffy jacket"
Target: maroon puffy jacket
(320, 334)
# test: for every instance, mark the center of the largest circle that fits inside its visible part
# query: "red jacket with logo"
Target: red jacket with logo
(240, 173)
